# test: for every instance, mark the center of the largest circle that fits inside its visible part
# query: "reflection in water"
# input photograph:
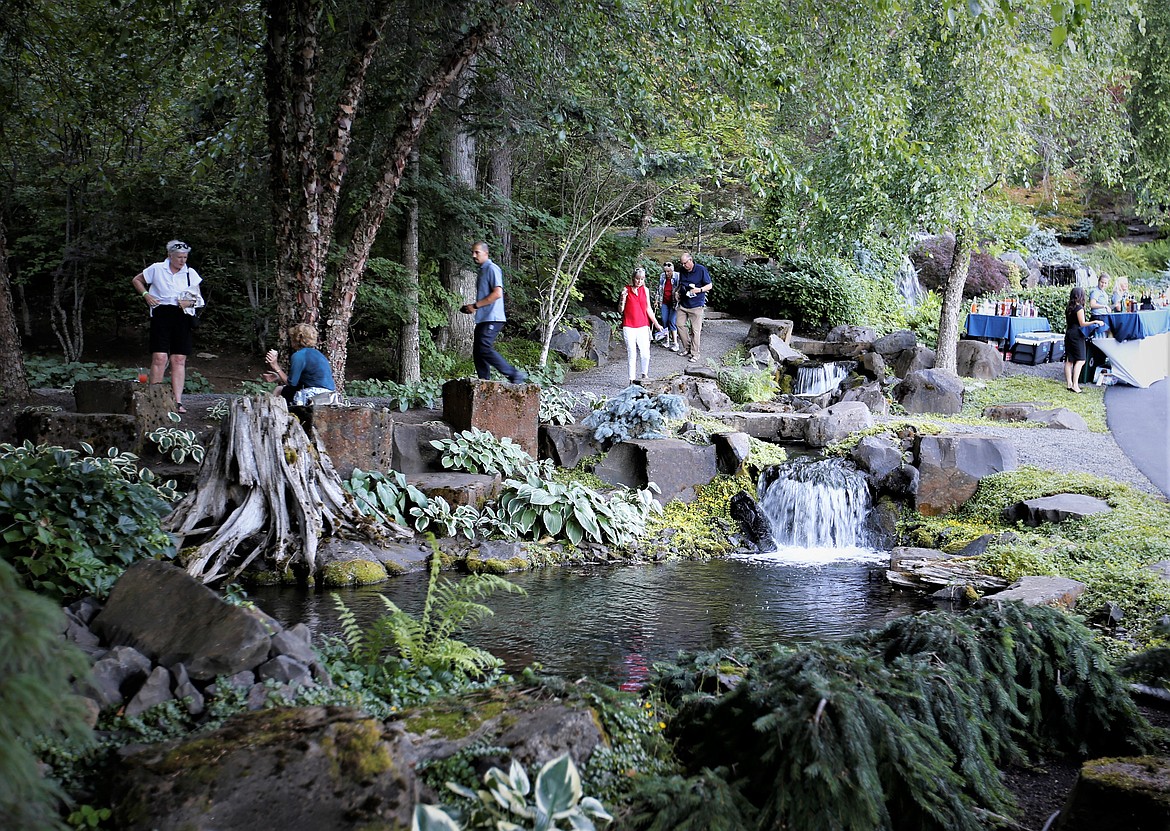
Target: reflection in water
(611, 623)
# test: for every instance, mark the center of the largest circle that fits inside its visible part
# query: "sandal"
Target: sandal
(181, 409)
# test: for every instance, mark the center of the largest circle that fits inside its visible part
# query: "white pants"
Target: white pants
(637, 349)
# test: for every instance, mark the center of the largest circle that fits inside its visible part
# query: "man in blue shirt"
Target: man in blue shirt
(489, 318)
(694, 283)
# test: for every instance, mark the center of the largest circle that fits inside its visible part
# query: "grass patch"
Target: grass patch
(1009, 389)
(1108, 552)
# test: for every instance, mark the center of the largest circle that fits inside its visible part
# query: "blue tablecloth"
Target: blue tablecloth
(1137, 325)
(1004, 328)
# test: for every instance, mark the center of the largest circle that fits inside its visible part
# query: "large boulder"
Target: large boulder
(701, 393)
(951, 465)
(931, 391)
(1040, 591)
(412, 448)
(567, 444)
(873, 365)
(837, 422)
(912, 360)
(1056, 508)
(1128, 792)
(600, 337)
(889, 346)
(851, 334)
(871, 395)
(764, 328)
(306, 769)
(679, 468)
(568, 343)
(747, 512)
(170, 617)
(876, 456)
(976, 359)
(731, 451)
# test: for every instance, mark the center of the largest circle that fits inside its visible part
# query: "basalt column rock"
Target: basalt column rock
(502, 409)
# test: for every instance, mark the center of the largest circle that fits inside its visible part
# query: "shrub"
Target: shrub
(36, 670)
(745, 385)
(634, 413)
(986, 275)
(1042, 244)
(73, 522)
(478, 451)
(426, 392)
(812, 292)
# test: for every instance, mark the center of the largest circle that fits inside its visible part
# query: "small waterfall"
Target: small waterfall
(817, 379)
(906, 281)
(820, 503)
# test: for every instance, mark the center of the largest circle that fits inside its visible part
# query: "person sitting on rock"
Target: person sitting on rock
(309, 373)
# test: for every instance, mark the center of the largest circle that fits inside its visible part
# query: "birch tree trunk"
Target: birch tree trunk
(408, 361)
(265, 490)
(946, 356)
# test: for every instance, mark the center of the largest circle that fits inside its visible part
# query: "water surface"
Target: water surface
(612, 622)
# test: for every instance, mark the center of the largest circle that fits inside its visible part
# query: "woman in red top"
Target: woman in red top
(636, 322)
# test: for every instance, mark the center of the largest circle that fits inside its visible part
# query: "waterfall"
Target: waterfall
(906, 281)
(817, 379)
(820, 503)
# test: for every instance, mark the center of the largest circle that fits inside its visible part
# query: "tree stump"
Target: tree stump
(266, 488)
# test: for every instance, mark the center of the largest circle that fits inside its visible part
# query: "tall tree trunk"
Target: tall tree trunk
(456, 272)
(500, 173)
(408, 365)
(369, 219)
(946, 356)
(13, 379)
(647, 217)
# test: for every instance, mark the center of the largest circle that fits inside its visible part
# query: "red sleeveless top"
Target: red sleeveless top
(635, 315)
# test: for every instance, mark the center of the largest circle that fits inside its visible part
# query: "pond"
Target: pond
(612, 623)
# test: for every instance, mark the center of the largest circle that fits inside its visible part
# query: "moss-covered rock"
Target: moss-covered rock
(300, 769)
(1131, 793)
(353, 573)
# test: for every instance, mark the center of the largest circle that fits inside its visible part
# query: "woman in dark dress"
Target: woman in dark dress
(1075, 345)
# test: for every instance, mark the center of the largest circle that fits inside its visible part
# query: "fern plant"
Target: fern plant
(428, 641)
(745, 385)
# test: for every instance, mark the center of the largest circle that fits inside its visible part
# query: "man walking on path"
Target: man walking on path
(489, 318)
(693, 285)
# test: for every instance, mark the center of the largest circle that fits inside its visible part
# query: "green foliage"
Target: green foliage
(1042, 244)
(72, 522)
(36, 701)
(556, 405)
(1108, 552)
(1149, 105)
(633, 413)
(478, 451)
(609, 267)
(703, 802)
(906, 722)
(812, 291)
(923, 319)
(177, 443)
(55, 373)
(388, 494)
(745, 385)
(503, 803)
(1151, 666)
(1145, 265)
(1006, 389)
(426, 392)
(428, 641)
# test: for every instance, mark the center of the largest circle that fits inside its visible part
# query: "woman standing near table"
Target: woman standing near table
(1075, 343)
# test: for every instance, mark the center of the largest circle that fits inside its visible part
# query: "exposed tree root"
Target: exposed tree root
(266, 489)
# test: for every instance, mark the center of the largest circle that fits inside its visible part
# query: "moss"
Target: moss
(353, 573)
(357, 751)
(290, 456)
(494, 565)
(394, 569)
(1009, 389)
(453, 719)
(253, 579)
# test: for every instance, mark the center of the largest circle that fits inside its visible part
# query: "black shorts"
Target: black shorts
(170, 331)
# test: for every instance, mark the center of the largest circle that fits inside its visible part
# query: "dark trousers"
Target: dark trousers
(483, 352)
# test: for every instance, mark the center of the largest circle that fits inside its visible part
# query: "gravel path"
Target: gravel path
(1087, 452)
